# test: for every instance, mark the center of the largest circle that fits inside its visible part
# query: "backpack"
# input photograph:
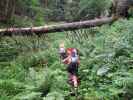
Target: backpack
(74, 54)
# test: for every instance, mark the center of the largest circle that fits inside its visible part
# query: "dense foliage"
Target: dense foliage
(30, 67)
(37, 12)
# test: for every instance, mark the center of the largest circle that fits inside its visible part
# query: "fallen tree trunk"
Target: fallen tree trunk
(55, 28)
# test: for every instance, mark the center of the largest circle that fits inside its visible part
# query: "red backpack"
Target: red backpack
(69, 52)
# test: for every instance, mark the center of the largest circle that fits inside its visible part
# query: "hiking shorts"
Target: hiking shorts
(73, 68)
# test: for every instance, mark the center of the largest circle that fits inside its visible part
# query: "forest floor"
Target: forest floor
(30, 68)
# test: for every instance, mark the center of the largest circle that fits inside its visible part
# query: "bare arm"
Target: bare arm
(66, 59)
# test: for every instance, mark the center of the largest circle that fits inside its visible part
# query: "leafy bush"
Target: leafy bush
(54, 96)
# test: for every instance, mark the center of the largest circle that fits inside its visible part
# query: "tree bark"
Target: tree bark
(55, 28)
(11, 9)
(3, 8)
(7, 9)
(120, 7)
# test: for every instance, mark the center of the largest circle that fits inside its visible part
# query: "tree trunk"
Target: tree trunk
(55, 28)
(3, 5)
(11, 9)
(120, 7)
(46, 3)
(7, 9)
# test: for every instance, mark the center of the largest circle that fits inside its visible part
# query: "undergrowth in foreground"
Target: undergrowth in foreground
(30, 67)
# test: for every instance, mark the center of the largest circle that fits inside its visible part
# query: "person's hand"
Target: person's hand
(63, 61)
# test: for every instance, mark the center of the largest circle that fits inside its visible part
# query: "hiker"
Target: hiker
(70, 57)
(72, 60)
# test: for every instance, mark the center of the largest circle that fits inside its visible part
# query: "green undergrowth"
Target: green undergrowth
(30, 68)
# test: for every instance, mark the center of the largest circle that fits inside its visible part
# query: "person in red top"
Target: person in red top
(71, 58)
(73, 65)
